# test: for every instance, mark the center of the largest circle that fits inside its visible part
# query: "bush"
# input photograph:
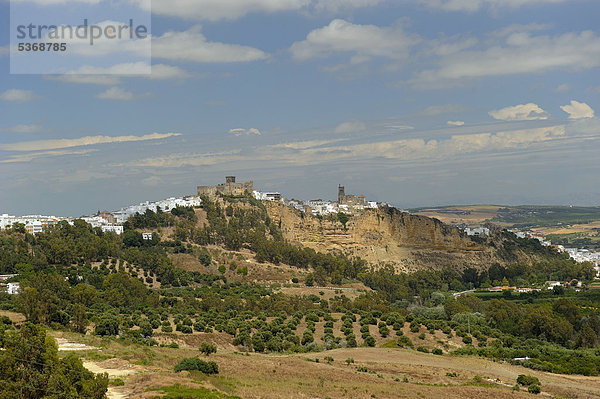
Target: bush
(437, 351)
(527, 380)
(205, 257)
(207, 348)
(192, 363)
(422, 349)
(405, 342)
(108, 325)
(166, 327)
(535, 389)
(370, 341)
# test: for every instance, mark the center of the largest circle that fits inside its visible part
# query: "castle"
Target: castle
(230, 187)
(349, 199)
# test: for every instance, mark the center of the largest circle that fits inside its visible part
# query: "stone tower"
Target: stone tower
(341, 194)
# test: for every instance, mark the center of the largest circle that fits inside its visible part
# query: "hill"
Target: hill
(224, 276)
(408, 242)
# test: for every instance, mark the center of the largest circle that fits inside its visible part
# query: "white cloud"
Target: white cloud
(110, 76)
(34, 155)
(191, 45)
(189, 159)
(116, 93)
(338, 5)
(475, 5)
(521, 112)
(577, 110)
(412, 149)
(103, 80)
(18, 96)
(455, 123)
(350, 127)
(214, 10)
(562, 88)
(43, 145)
(22, 129)
(245, 132)
(361, 41)
(517, 53)
(519, 28)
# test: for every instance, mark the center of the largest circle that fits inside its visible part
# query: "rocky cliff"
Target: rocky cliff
(388, 236)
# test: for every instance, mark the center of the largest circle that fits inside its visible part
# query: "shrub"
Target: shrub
(349, 360)
(535, 389)
(527, 380)
(437, 351)
(422, 349)
(192, 363)
(207, 348)
(166, 327)
(422, 336)
(108, 325)
(205, 257)
(370, 341)
(405, 342)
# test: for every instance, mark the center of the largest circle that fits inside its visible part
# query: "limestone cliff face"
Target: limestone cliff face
(385, 236)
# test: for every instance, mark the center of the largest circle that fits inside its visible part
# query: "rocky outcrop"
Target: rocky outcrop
(385, 236)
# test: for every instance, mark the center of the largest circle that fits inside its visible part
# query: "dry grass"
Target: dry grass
(392, 373)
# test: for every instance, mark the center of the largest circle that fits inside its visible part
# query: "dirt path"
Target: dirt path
(65, 345)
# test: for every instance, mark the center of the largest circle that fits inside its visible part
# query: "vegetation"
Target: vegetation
(74, 276)
(193, 363)
(30, 368)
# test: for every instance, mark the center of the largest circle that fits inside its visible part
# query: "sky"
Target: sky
(410, 102)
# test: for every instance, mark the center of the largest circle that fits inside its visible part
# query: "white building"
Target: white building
(112, 227)
(13, 288)
(478, 231)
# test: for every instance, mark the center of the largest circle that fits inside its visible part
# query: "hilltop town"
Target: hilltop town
(347, 204)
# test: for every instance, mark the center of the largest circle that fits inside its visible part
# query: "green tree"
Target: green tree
(79, 320)
(208, 348)
(30, 368)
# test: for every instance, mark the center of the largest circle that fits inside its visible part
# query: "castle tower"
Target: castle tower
(341, 194)
(229, 179)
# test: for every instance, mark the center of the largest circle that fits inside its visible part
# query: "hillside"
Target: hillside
(228, 276)
(387, 236)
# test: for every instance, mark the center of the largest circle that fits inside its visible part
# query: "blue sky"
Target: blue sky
(413, 102)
